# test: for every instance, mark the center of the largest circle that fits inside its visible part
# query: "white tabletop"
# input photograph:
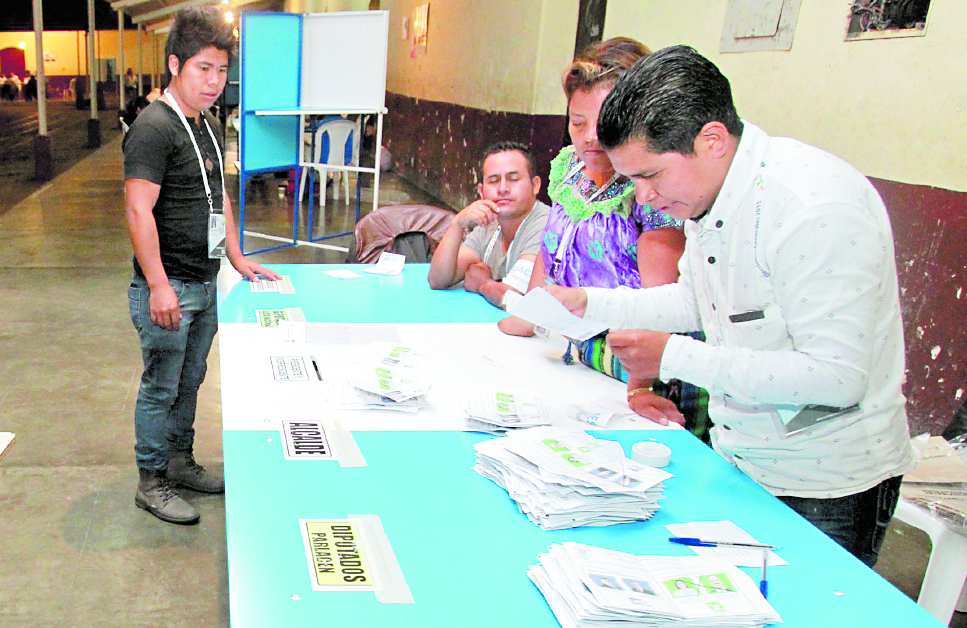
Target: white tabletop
(461, 358)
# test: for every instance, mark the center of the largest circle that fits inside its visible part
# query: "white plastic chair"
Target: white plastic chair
(943, 588)
(341, 133)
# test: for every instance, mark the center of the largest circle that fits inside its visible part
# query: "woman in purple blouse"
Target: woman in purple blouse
(596, 233)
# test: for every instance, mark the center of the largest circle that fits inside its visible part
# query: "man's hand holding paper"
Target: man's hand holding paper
(574, 299)
(638, 350)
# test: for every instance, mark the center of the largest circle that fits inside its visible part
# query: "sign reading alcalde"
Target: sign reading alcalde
(305, 440)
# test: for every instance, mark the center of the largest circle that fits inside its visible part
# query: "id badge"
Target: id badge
(216, 235)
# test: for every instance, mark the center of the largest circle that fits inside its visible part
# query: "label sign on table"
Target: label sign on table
(289, 369)
(305, 440)
(353, 554)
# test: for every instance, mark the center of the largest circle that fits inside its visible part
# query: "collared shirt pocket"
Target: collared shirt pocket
(759, 329)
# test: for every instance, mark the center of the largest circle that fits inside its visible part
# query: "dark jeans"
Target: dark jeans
(857, 522)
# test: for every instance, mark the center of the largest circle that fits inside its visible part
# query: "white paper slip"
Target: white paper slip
(387, 264)
(725, 531)
(342, 274)
(540, 308)
(282, 286)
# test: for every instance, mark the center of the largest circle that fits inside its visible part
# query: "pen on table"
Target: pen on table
(693, 542)
(764, 584)
(316, 367)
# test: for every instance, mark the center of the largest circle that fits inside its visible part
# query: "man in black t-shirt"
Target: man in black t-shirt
(179, 219)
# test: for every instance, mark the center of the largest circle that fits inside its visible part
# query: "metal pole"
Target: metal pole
(140, 59)
(155, 76)
(121, 74)
(43, 166)
(94, 124)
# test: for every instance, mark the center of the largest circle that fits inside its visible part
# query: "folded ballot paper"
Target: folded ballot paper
(565, 478)
(386, 376)
(588, 586)
(497, 411)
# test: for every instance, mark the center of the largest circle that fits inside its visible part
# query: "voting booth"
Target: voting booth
(294, 67)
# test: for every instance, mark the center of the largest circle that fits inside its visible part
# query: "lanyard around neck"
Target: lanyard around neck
(201, 161)
(490, 247)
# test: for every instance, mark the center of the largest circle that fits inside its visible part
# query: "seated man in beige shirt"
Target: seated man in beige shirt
(491, 244)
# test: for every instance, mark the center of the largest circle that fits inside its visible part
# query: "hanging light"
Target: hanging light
(229, 17)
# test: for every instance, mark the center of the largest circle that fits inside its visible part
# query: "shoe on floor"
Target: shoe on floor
(156, 495)
(184, 471)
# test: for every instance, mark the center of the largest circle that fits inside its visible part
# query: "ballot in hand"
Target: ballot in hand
(574, 299)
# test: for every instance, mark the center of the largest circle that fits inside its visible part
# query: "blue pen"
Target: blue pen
(693, 542)
(764, 584)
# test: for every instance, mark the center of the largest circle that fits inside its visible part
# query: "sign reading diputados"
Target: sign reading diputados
(337, 558)
(305, 440)
(353, 554)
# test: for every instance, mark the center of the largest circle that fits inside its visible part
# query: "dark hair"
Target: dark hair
(196, 28)
(664, 100)
(502, 147)
(602, 63)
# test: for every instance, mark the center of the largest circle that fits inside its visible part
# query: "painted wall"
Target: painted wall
(70, 53)
(502, 55)
(894, 108)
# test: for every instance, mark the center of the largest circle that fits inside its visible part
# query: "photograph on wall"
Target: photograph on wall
(881, 19)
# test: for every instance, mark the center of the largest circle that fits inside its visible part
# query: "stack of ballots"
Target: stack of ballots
(387, 377)
(591, 587)
(496, 411)
(565, 478)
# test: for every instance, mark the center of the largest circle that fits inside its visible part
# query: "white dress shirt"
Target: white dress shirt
(791, 275)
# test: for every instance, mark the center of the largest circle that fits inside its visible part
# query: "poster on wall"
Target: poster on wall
(418, 30)
(882, 19)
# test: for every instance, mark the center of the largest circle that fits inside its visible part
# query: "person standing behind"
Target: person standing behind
(789, 270)
(596, 234)
(491, 244)
(180, 223)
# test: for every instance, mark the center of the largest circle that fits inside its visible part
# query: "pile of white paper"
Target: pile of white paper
(587, 586)
(386, 377)
(565, 478)
(496, 411)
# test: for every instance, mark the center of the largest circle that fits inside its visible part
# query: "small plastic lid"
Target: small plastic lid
(651, 454)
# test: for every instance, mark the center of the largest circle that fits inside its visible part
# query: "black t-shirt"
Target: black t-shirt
(157, 148)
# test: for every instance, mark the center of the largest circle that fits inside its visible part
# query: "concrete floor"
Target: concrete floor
(74, 550)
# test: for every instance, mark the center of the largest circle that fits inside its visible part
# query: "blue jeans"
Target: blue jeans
(857, 522)
(174, 367)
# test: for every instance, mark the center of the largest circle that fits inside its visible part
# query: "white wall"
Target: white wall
(503, 55)
(894, 108)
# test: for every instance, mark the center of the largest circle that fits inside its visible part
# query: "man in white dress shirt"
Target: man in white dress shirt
(789, 271)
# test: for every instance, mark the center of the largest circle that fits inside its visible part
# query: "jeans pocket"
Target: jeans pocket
(178, 286)
(134, 306)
